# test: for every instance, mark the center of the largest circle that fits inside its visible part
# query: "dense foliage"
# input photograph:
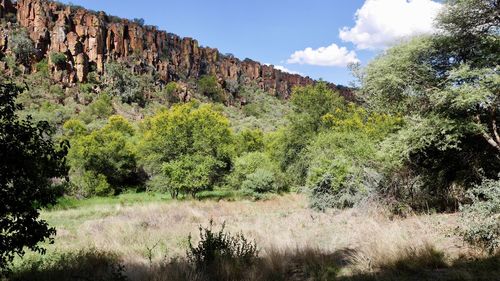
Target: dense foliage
(481, 219)
(103, 161)
(29, 161)
(188, 147)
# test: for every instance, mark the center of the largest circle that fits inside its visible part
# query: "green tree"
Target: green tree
(103, 161)
(447, 86)
(309, 105)
(28, 163)
(210, 87)
(188, 148)
(22, 46)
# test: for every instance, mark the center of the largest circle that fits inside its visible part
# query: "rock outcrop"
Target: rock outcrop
(90, 39)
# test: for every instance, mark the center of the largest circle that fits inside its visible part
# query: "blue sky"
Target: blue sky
(280, 31)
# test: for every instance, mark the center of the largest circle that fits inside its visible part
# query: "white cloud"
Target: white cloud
(380, 23)
(284, 69)
(332, 55)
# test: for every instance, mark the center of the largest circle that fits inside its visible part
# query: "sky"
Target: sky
(316, 38)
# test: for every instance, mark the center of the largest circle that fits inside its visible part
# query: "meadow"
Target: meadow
(147, 235)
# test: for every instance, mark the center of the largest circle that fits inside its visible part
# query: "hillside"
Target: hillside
(91, 39)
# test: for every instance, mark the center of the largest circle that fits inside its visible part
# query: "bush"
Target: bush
(103, 161)
(58, 59)
(209, 86)
(249, 141)
(29, 162)
(123, 83)
(90, 183)
(481, 219)
(22, 46)
(342, 169)
(256, 173)
(260, 181)
(188, 146)
(82, 265)
(216, 247)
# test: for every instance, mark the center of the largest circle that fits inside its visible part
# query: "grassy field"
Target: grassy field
(147, 234)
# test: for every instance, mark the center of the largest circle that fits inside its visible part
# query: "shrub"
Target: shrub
(256, 173)
(94, 184)
(260, 181)
(103, 161)
(123, 83)
(249, 141)
(58, 59)
(481, 219)
(342, 169)
(216, 247)
(83, 265)
(209, 86)
(22, 46)
(189, 146)
(28, 163)
(139, 21)
(170, 93)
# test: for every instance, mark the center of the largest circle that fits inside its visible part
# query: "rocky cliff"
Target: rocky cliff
(91, 39)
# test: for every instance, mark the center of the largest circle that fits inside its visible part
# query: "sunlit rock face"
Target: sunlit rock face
(90, 39)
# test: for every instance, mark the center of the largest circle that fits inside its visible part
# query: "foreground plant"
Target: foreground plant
(481, 219)
(28, 162)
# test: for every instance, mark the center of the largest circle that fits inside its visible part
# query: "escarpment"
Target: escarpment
(90, 39)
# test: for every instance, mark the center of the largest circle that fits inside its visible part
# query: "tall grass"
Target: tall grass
(149, 239)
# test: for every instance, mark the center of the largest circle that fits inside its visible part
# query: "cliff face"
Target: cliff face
(90, 39)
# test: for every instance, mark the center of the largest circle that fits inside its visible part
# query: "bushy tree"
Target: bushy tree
(58, 58)
(210, 87)
(28, 163)
(22, 46)
(256, 173)
(481, 218)
(189, 147)
(123, 83)
(249, 141)
(104, 161)
(447, 87)
(310, 104)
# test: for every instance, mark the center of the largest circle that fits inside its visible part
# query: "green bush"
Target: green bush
(22, 46)
(104, 161)
(90, 183)
(126, 85)
(189, 146)
(260, 181)
(83, 265)
(481, 219)
(209, 86)
(256, 173)
(249, 141)
(58, 59)
(217, 247)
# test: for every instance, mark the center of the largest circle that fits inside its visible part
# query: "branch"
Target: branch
(494, 124)
(487, 137)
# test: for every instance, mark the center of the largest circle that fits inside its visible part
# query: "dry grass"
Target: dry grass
(341, 243)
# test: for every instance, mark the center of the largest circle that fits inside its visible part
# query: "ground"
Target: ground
(147, 230)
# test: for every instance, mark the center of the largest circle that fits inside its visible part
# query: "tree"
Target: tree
(28, 162)
(103, 161)
(209, 86)
(22, 46)
(187, 148)
(447, 87)
(309, 104)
